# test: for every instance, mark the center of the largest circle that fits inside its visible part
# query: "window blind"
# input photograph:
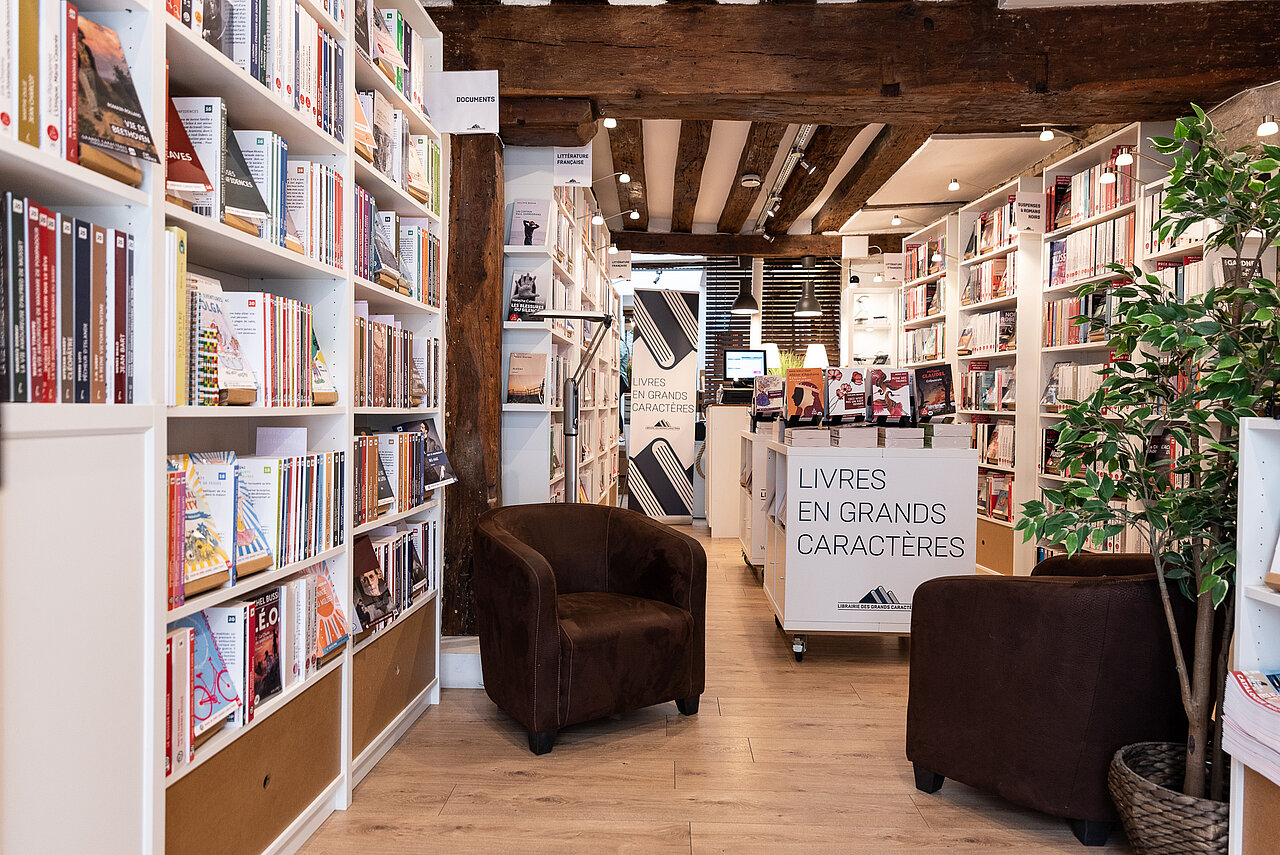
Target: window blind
(725, 331)
(783, 280)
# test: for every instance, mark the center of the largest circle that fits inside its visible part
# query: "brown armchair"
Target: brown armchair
(585, 611)
(1025, 687)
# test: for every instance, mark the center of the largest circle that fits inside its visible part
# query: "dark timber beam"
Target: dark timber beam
(695, 138)
(783, 246)
(897, 62)
(1239, 118)
(473, 333)
(626, 143)
(546, 121)
(823, 153)
(757, 156)
(886, 154)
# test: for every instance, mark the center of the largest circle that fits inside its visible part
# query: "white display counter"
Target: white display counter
(722, 462)
(752, 530)
(851, 533)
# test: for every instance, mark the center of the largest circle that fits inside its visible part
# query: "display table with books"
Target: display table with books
(856, 517)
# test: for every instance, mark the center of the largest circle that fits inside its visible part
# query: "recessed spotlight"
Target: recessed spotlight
(610, 122)
(896, 221)
(1046, 135)
(954, 185)
(751, 181)
(1268, 126)
(624, 178)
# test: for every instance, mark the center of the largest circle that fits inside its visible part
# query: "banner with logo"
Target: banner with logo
(664, 393)
(463, 102)
(571, 167)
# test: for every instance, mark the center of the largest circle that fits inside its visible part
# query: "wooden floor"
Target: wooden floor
(783, 757)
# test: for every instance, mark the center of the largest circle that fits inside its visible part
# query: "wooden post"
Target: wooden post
(473, 348)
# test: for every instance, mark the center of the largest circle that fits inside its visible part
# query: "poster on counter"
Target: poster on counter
(664, 376)
(863, 532)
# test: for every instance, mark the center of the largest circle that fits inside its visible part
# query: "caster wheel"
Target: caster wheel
(799, 656)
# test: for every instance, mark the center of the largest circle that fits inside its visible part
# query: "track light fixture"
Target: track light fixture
(1108, 176)
(954, 185)
(1046, 135)
(613, 249)
(1268, 126)
(1124, 158)
(610, 122)
(623, 178)
(597, 220)
(807, 167)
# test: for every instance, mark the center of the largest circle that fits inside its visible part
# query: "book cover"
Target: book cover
(529, 290)
(216, 472)
(372, 589)
(437, 462)
(331, 621)
(1008, 330)
(240, 191)
(767, 395)
(383, 120)
(846, 394)
(362, 129)
(178, 644)
(98, 294)
(934, 391)
(253, 550)
(323, 389)
(213, 693)
(207, 562)
(527, 378)
(805, 393)
(268, 676)
(232, 627)
(236, 382)
(111, 116)
(204, 121)
(529, 219)
(889, 393)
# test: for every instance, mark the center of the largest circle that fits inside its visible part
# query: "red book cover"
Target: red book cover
(267, 681)
(71, 43)
(250, 655)
(119, 342)
(42, 237)
(168, 706)
(177, 537)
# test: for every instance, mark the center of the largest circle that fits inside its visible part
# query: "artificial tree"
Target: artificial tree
(1192, 368)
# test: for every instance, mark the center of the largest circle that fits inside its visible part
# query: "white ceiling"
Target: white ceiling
(980, 161)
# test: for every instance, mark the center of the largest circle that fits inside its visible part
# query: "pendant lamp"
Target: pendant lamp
(807, 306)
(746, 303)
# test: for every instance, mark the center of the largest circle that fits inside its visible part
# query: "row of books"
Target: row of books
(52, 100)
(393, 366)
(925, 259)
(386, 40)
(402, 254)
(989, 332)
(279, 348)
(1088, 252)
(995, 491)
(1251, 720)
(279, 44)
(395, 470)
(394, 566)
(868, 435)
(857, 393)
(990, 390)
(247, 180)
(224, 663)
(924, 344)
(66, 307)
(991, 230)
(1077, 197)
(923, 300)
(1187, 277)
(1154, 210)
(1072, 381)
(385, 140)
(1076, 320)
(990, 280)
(230, 516)
(994, 442)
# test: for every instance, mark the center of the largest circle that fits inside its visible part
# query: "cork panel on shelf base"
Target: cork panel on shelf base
(391, 672)
(995, 547)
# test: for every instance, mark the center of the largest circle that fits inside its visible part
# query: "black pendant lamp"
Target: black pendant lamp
(807, 306)
(746, 303)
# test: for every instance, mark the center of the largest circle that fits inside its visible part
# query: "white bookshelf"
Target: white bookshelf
(580, 275)
(109, 640)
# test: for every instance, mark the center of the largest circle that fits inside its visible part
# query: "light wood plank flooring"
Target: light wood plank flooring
(782, 757)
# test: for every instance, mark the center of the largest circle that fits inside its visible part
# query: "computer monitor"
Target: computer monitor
(743, 364)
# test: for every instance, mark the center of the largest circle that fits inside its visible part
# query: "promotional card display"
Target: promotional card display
(805, 395)
(846, 394)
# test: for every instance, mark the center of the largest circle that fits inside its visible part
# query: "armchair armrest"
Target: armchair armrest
(648, 559)
(519, 628)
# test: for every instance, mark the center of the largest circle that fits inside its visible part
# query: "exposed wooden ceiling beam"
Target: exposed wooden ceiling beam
(695, 138)
(626, 143)
(886, 154)
(823, 154)
(546, 121)
(898, 62)
(757, 156)
(783, 246)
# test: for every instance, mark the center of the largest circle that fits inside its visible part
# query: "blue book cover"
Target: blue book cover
(213, 691)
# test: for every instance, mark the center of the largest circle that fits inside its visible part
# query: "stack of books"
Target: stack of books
(1251, 720)
(808, 437)
(901, 437)
(859, 435)
(947, 436)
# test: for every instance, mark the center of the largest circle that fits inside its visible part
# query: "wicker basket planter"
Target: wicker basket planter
(1158, 819)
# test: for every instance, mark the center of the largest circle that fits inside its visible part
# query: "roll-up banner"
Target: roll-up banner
(664, 389)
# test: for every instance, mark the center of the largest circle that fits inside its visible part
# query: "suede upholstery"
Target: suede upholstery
(585, 611)
(1025, 687)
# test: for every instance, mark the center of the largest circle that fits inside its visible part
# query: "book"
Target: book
(963, 345)
(232, 627)
(529, 221)
(216, 472)
(323, 390)
(846, 394)
(207, 562)
(184, 173)
(214, 698)
(268, 675)
(372, 601)
(767, 394)
(889, 394)
(111, 118)
(331, 621)
(805, 393)
(527, 378)
(205, 123)
(529, 289)
(178, 644)
(934, 396)
(253, 551)
(176, 493)
(239, 189)
(236, 383)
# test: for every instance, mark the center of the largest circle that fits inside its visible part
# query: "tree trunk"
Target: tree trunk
(1193, 783)
(1218, 772)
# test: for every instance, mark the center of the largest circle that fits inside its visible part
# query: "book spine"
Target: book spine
(66, 309)
(119, 342)
(41, 385)
(27, 48)
(168, 707)
(130, 328)
(82, 286)
(98, 319)
(6, 276)
(177, 538)
(17, 286)
(71, 125)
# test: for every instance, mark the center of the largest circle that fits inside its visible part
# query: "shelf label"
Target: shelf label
(620, 265)
(463, 102)
(1028, 212)
(571, 167)
(895, 266)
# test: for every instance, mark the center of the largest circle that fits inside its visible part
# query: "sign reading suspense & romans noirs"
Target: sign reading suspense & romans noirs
(865, 527)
